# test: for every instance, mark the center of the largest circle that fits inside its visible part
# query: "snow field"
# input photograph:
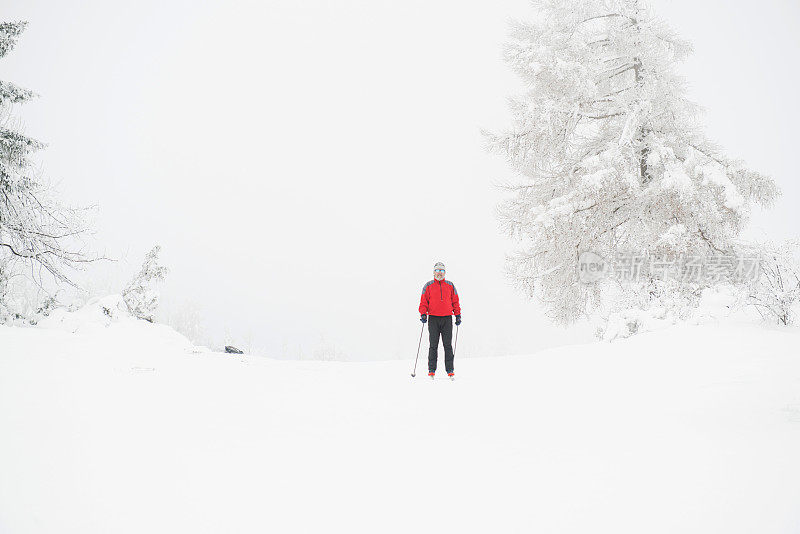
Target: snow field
(125, 429)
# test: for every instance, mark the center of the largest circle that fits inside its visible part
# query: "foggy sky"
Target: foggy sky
(304, 164)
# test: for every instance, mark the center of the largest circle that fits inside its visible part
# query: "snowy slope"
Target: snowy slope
(109, 425)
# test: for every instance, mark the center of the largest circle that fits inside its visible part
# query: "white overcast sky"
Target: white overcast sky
(304, 164)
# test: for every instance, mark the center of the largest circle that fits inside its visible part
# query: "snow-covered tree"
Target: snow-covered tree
(35, 230)
(5, 283)
(775, 293)
(141, 295)
(609, 154)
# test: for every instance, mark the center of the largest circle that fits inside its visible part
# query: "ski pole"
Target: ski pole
(414, 372)
(456, 344)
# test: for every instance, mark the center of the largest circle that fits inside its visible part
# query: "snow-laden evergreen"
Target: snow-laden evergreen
(141, 295)
(36, 231)
(610, 156)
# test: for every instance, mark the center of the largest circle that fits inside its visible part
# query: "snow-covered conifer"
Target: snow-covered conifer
(34, 227)
(141, 295)
(608, 152)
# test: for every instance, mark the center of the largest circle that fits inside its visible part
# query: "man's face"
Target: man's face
(438, 274)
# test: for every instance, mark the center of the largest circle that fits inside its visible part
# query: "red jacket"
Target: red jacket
(439, 298)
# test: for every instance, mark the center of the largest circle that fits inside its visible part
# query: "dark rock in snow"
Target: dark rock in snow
(232, 350)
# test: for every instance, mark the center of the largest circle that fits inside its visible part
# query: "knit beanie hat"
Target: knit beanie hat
(439, 265)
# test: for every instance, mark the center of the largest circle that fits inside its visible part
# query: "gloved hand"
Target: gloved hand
(423, 318)
(458, 320)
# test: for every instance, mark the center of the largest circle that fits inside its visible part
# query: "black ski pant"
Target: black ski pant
(440, 325)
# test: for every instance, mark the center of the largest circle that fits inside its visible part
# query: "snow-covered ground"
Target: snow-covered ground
(109, 425)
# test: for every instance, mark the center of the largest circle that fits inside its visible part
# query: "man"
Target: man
(438, 303)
